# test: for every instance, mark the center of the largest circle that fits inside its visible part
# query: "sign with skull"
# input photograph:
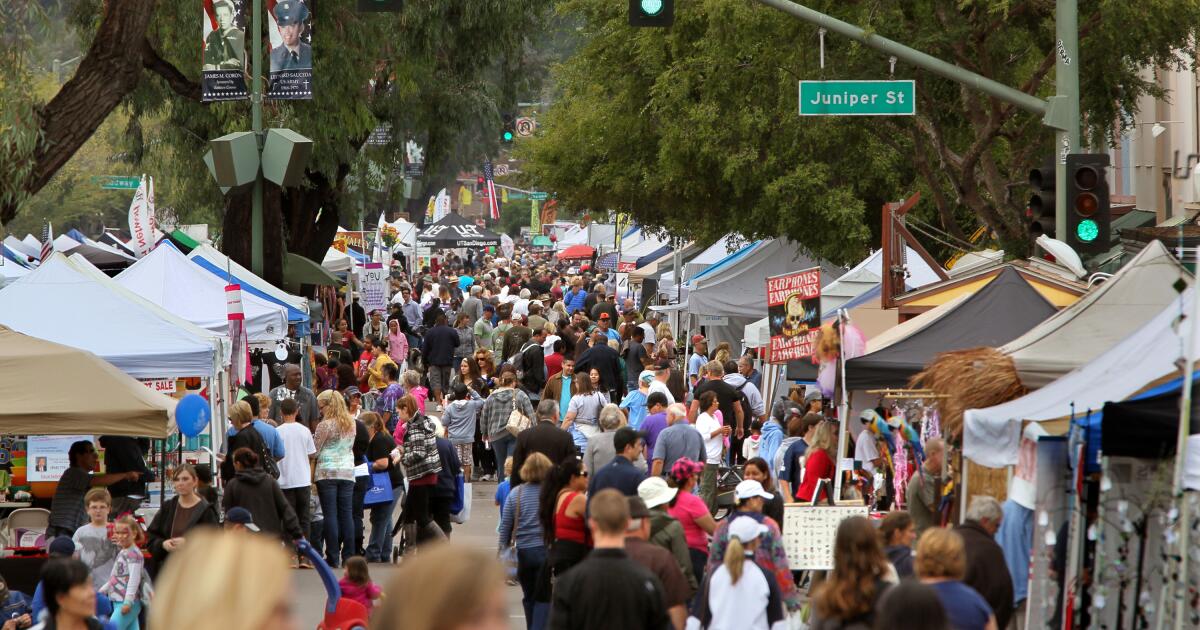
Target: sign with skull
(794, 314)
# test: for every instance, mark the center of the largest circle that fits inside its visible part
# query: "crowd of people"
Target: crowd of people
(610, 446)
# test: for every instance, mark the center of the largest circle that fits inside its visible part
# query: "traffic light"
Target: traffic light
(509, 129)
(652, 13)
(1041, 200)
(1088, 214)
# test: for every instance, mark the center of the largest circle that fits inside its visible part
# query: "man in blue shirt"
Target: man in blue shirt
(620, 473)
(575, 298)
(789, 475)
(699, 357)
(268, 432)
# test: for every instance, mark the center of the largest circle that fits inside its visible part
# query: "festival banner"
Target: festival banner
(441, 206)
(223, 75)
(141, 220)
(350, 240)
(535, 219)
(373, 287)
(794, 314)
(290, 28)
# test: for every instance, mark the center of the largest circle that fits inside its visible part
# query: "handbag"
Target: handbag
(508, 555)
(380, 490)
(462, 502)
(517, 421)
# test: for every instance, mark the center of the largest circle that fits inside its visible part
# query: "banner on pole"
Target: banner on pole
(290, 28)
(223, 75)
(794, 314)
(373, 287)
(535, 219)
(354, 240)
(141, 221)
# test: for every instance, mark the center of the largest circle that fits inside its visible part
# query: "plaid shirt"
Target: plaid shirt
(421, 456)
(493, 419)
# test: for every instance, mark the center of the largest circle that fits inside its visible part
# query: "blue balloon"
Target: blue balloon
(192, 415)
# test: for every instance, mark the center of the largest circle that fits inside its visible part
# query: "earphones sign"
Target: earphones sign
(794, 314)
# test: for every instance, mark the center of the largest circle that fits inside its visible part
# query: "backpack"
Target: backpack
(747, 414)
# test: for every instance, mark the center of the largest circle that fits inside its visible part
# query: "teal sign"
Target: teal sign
(858, 98)
(539, 196)
(114, 182)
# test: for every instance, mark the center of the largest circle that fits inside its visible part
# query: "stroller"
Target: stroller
(340, 613)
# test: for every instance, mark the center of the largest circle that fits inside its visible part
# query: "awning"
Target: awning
(541, 240)
(455, 231)
(577, 252)
(298, 271)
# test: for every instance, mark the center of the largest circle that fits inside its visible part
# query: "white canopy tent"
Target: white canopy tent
(10, 271)
(21, 247)
(1149, 354)
(140, 339)
(217, 263)
(167, 278)
(1101, 318)
(95, 252)
(868, 274)
(338, 262)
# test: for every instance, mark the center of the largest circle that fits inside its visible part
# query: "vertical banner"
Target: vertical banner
(290, 28)
(372, 287)
(507, 247)
(141, 224)
(442, 206)
(535, 219)
(623, 221)
(223, 75)
(794, 314)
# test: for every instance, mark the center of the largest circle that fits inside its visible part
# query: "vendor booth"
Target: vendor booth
(225, 268)
(455, 231)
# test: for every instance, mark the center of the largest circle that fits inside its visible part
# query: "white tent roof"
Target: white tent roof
(32, 244)
(64, 302)
(601, 235)
(337, 262)
(10, 271)
(96, 253)
(1101, 318)
(711, 254)
(644, 247)
(21, 247)
(991, 436)
(218, 260)
(570, 235)
(167, 278)
(865, 275)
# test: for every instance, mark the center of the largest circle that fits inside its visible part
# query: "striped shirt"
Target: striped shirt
(529, 528)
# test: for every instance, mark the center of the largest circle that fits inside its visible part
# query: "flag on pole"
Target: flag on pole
(47, 241)
(141, 225)
(241, 373)
(493, 199)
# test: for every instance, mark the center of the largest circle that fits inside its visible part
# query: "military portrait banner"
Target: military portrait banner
(223, 74)
(290, 27)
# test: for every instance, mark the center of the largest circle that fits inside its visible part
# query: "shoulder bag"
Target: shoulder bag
(517, 421)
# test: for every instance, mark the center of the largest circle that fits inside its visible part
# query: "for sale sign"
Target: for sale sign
(794, 314)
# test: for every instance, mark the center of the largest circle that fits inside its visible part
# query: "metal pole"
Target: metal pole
(843, 412)
(1066, 72)
(1183, 552)
(256, 212)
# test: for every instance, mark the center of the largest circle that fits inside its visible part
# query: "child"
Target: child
(504, 487)
(92, 539)
(124, 586)
(204, 484)
(750, 446)
(356, 583)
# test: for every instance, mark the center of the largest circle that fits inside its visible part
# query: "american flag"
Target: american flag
(47, 241)
(493, 198)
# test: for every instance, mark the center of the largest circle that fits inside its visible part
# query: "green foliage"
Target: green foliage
(694, 128)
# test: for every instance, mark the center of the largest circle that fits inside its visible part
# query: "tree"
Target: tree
(694, 128)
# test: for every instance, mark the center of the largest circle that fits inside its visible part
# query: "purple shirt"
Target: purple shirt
(652, 425)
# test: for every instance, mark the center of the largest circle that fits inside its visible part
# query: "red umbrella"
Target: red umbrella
(577, 252)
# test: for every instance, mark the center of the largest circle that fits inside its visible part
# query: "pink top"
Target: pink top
(365, 595)
(421, 394)
(398, 347)
(688, 508)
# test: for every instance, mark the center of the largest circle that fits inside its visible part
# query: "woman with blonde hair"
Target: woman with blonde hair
(249, 596)
(264, 408)
(941, 564)
(736, 595)
(447, 587)
(818, 462)
(334, 475)
(722, 353)
(241, 416)
(850, 595)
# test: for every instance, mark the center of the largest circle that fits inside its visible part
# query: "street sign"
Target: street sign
(858, 98)
(380, 135)
(117, 182)
(501, 170)
(539, 195)
(526, 127)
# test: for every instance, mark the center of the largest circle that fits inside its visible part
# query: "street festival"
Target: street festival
(494, 337)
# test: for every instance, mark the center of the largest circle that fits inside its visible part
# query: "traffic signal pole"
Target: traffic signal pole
(1060, 112)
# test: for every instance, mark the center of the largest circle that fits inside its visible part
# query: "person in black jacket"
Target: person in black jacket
(258, 492)
(608, 361)
(178, 516)
(438, 351)
(543, 437)
(126, 454)
(533, 366)
(987, 571)
(447, 485)
(246, 436)
(355, 316)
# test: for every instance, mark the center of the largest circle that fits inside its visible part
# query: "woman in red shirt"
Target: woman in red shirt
(818, 462)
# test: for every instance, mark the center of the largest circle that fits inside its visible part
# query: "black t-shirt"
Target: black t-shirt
(362, 437)
(727, 396)
(633, 360)
(380, 447)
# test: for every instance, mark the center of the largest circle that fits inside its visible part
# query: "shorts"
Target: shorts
(439, 377)
(465, 452)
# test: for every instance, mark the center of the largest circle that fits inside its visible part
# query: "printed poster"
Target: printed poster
(47, 458)
(794, 314)
(373, 287)
(290, 28)
(223, 73)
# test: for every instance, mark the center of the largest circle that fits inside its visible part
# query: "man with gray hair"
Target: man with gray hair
(543, 437)
(924, 493)
(473, 305)
(987, 572)
(679, 439)
(600, 450)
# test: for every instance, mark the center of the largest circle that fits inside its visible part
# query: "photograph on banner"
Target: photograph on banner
(290, 28)
(794, 314)
(223, 75)
(414, 159)
(47, 455)
(373, 287)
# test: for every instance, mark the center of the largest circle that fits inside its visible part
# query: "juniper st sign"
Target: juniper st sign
(857, 98)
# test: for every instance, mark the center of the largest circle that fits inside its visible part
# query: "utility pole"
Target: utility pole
(256, 126)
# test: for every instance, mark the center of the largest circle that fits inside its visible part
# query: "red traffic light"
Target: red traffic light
(1086, 204)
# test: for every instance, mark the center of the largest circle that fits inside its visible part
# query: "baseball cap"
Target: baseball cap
(62, 546)
(697, 338)
(603, 315)
(351, 391)
(637, 508)
(241, 516)
(745, 528)
(749, 489)
(813, 394)
(654, 491)
(646, 376)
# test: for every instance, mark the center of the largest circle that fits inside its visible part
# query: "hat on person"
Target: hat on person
(351, 391)
(637, 508)
(697, 338)
(813, 394)
(603, 316)
(241, 516)
(745, 528)
(62, 546)
(684, 469)
(749, 489)
(655, 491)
(646, 376)
(290, 12)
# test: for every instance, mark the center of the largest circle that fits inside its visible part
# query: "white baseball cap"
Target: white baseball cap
(746, 529)
(654, 491)
(749, 489)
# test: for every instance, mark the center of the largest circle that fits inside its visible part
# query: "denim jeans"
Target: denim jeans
(503, 447)
(337, 498)
(379, 549)
(529, 564)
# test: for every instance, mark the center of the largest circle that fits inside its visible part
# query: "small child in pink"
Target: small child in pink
(356, 583)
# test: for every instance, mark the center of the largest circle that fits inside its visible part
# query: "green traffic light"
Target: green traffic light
(1087, 231)
(652, 7)
(508, 136)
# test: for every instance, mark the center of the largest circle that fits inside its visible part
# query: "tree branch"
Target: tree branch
(154, 62)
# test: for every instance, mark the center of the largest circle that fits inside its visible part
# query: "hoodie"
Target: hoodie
(259, 493)
(459, 418)
(753, 396)
(772, 436)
